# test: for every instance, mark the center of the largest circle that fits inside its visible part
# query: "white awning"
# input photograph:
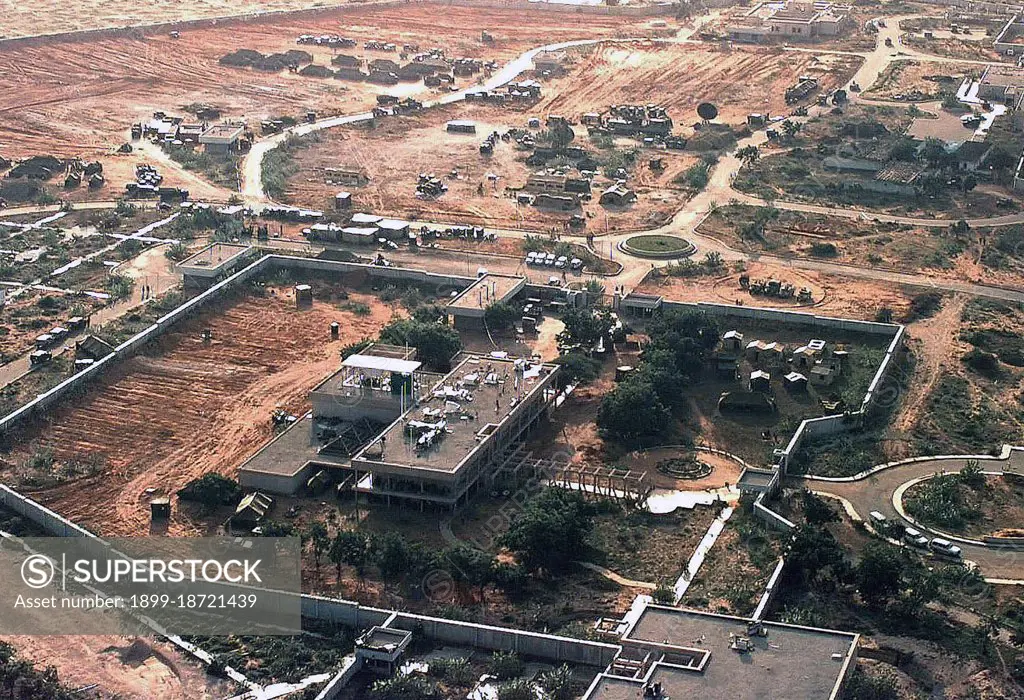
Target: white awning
(384, 364)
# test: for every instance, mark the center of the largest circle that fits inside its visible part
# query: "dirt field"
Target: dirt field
(681, 76)
(970, 403)
(129, 668)
(397, 150)
(80, 97)
(843, 296)
(184, 409)
(918, 80)
(57, 17)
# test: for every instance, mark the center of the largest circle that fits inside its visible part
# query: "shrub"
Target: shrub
(824, 250)
(664, 594)
(518, 689)
(578, 368)
(505, 665)
(212, 490)
(558, 683)
(455, 671)
(500, 316)
(984, 363)
(924, 305)
(405, 688)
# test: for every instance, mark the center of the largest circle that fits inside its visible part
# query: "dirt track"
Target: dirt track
(185, 408)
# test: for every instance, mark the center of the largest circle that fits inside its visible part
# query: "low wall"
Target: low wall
(349, 668)
(53, 524)
(770, 517)
(804, 318)
(769, 592)
(546, 646)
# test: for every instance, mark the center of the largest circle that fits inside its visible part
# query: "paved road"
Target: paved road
(876, 492)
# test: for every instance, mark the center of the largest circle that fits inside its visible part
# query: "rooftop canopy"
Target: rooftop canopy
(383, 364)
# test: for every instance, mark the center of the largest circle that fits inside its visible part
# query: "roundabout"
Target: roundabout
(657, 246)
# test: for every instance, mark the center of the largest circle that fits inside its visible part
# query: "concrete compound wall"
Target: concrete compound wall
(770, 590)
(356, 616)
(770, 517)
(53, 524)
(545, 646)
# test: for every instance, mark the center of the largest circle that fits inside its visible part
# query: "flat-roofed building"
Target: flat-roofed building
(694, 654)
(205, 267)
(468, 308)
(449, 444)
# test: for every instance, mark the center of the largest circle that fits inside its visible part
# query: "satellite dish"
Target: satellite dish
(707, 111)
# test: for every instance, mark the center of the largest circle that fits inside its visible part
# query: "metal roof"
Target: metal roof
(385, 364)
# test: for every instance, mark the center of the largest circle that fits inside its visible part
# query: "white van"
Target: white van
(915, 538)
(944, 547)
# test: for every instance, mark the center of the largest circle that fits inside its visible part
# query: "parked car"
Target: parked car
(914, 538)
(944, 547)
(878, 518)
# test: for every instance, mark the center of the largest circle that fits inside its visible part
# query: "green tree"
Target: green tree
(393, 556)
(319, 541)
(558, 683)
(749, 155)
(587, 326)
(500, 316)
(469, 565)
(879, 573)
(435, 343)
(552, 530)
(632, 410)
(577, 368)
(349, 547)
(212, 490)
(816, 510)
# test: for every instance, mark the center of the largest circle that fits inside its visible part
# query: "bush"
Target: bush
(455, 671)
(435, 343)
(505, 665)
(500, 316)
(824, 250)
(861, 686)
(984, 363)
(212, 490)
(552, 530)
(408, 687)
(518, 689)
(558, 683)
(924, 305)
(664, 594)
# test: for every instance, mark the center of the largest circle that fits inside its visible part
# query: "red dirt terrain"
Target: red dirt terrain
(79, 97)
(185, 408)
(681, 76)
